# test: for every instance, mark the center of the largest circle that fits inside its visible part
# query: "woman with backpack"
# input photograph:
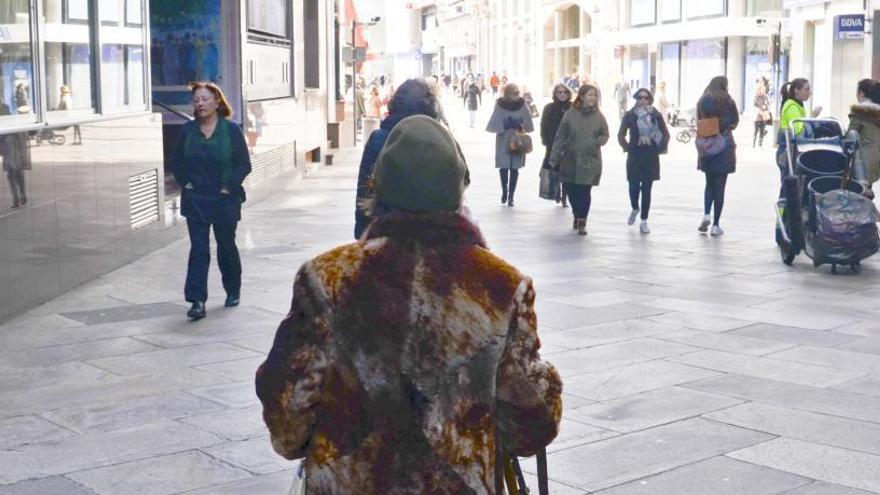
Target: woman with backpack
(509, 119)
(577, 152)
(716, 103)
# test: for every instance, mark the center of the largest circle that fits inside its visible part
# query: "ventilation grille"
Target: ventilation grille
(271, 163)
(143, 198)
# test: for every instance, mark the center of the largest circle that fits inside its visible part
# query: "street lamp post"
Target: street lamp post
(354, 25)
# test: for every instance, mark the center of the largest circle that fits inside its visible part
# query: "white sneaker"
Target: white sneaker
(704, 225)
(643, 228)
(632, 217)
(716, 231)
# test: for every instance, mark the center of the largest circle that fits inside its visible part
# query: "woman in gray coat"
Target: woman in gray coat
(510, 115)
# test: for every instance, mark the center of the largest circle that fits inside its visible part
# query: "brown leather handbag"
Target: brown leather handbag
(708, 127)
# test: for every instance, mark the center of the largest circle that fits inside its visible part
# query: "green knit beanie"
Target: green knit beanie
(420, 167)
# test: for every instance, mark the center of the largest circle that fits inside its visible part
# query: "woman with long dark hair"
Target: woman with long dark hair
(648, 138)
(413, 97)
(551, 117)
(210, 163)
(577, 152)
(717, 103)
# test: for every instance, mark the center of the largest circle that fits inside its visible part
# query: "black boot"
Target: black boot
(503, 176)
(514, 178)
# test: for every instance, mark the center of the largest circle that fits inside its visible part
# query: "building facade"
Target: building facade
(88, 95)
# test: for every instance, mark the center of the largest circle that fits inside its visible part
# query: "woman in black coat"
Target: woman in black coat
(716, 102)
(550, 119)
(648, 139)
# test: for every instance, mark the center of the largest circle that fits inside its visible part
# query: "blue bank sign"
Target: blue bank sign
(849, 27)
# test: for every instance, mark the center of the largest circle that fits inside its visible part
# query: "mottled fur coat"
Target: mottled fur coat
(407, 362)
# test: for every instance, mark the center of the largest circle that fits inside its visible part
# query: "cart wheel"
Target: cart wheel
(58, 139)
(788, 254)
(856, 267)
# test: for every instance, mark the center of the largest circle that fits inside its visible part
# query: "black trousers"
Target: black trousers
(200, 259)
(579, 195)
(643, 187)
(760, 132)
(714, 194)
(16, 185)
(509, 178)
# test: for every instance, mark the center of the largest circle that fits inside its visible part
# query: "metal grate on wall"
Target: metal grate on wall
(143, 198)
(271, 163)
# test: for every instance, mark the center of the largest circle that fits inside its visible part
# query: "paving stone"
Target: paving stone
(697, 321)
(595, 299)
(54, 355)
(870, 345)
(26, 324)
(607, 333)
(254, 454)
(632, 379)
(236, 395)
(25, 430)
(629, 457)
(811, 427)
(47, 336)
(181, 357)
(615, 355)
(725, 341)
(834, 358)
(241, 370)
(46, 486)
(116, 415)
(90, 451)
(796, 336)
(125, 313)
(59, 395)
(29, 378)
(263, 343)
(869, 385)
(266, 484)
(233, 424)
(554, 487)
(800, 397)
(574, 433)
(767, 367)
(820, 462)
(823, 488)
(715, 476)
(163, 475)
(657, 407)
(563, 316)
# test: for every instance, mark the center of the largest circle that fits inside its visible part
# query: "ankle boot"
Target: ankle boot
(514, 178)
(582, 226)
(574, 224)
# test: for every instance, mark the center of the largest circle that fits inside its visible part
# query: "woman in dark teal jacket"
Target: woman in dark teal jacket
(210, 162)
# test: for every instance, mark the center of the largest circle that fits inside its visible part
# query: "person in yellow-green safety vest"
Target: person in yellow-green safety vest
(794, 93)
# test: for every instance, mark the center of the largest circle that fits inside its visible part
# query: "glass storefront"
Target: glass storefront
(701, 60)
(68, 58)
(639, 67)
(670, 70)
(16, 64)
(706, 8)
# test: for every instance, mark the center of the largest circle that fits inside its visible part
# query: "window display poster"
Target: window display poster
(185, 43)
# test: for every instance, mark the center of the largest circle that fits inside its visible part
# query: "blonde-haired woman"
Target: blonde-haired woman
(210, 162)
(511, 114)
(577, 152)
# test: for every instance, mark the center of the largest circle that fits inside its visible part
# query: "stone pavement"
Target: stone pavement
(691, 364)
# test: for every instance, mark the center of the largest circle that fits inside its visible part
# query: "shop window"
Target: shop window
(642, 12)
(268, 17)
(312, 34)
(701, 61)
(68, 58)
(669, 10)
(16, 65)
(670, 70)
(760, 7)
(706, 8)
(122, 55)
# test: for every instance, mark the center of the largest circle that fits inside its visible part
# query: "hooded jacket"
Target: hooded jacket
(865, 118)
(408, 360)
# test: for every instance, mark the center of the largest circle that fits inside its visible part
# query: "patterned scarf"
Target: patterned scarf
(649, 131)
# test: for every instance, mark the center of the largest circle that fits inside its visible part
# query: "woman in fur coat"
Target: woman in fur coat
(864, 117)
(509, 115)
(409, 360)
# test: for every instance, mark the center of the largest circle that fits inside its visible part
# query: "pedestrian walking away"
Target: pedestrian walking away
(577, 152)
(413, 97)
(763, 116)
(716, 103)
(648, 139)
(551, 117)
(795, 94)
(210, 162)
(509, 117)
(473, 98)
(398, 369)
(864, 118)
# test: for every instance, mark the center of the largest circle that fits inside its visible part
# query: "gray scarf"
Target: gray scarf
(649, 131)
